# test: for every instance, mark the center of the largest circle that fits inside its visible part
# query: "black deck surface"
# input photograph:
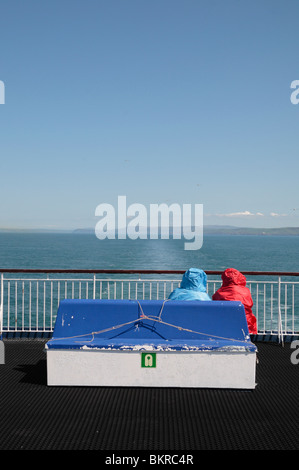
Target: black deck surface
(34, 416)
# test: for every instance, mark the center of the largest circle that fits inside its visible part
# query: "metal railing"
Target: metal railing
(30, 297)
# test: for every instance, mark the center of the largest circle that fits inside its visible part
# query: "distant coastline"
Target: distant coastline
(230, 230)
(227, 230)
(208, 230)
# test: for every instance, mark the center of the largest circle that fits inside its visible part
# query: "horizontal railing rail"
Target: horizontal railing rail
(140, 271)
(30, 297)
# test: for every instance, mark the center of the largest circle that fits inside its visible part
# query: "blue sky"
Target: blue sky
(164, 101)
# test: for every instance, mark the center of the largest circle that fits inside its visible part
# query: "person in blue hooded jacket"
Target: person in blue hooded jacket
(193, 286)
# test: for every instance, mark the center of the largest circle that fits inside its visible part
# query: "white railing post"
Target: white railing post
(279, 320)
(94, 286)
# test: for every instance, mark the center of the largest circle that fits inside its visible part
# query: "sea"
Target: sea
(85, 251)
(28, 304)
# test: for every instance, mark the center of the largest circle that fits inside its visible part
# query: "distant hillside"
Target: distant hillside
(208, 230)
(226, 230)
(229, 230)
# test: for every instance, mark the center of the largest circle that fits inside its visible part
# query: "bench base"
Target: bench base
(201, 369)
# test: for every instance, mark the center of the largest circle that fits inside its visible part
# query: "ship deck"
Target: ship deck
(37, 417)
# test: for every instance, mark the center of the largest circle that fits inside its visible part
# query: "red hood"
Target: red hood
(233, 276)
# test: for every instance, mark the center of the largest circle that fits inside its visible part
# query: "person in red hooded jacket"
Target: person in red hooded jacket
(234, 288)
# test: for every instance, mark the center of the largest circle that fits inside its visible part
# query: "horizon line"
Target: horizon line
(90, 229)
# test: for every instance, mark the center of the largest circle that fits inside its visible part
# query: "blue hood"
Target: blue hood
(193, 286)
(194, 279)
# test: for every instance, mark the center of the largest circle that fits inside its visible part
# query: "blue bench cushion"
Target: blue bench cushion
(151, 325)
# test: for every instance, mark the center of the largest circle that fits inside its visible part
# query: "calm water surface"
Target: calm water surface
(85, 251)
